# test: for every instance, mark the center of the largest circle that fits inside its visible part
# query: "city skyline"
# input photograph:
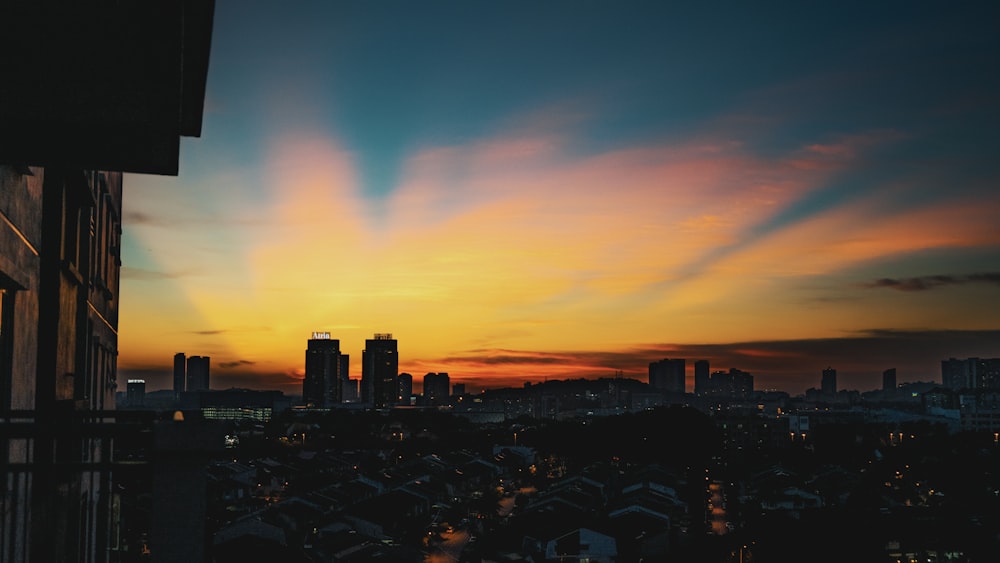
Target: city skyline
(520, 192)
(764, 362)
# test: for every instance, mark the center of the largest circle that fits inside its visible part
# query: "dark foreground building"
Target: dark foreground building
(95, 88)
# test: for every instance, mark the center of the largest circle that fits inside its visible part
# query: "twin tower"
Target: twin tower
(328, 372)
(190, 374)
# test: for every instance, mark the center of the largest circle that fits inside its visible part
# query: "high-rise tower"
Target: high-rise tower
(197, 373)
(323, 383)
(828, 385)
(180, 374)
(379, 371)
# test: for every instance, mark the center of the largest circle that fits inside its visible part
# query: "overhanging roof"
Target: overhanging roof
(102, 85)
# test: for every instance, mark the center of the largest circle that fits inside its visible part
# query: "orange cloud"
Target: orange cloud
(517, 242)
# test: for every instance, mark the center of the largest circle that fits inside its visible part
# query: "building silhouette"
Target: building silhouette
(989, 375)
(198, 368)
(702, 381)
(180, 374)
(436, 388)
(954, 374)
(345, 379)
(668, 375)
(323, 385)
(380, 371)
(350, 390)
(236, 404)
(889, 379)
(732, 384)
(405, 388)
(135, 392)
(828, 384)
(971, 373)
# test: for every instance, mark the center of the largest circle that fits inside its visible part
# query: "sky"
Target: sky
(520, 191)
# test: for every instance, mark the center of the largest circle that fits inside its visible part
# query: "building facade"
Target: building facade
(59, 266)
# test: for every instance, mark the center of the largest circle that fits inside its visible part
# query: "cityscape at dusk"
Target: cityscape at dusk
(522, 191)
(483, 281)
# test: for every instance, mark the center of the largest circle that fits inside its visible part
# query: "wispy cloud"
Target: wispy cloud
(236, 363)
(141, 274)
(187, 217)
(513, 357)
(131, 218)
(208, 332)
(791, 365)
(924, 283)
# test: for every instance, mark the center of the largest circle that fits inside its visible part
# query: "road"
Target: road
(450, 549)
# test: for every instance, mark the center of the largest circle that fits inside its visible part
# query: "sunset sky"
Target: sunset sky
(520, 190)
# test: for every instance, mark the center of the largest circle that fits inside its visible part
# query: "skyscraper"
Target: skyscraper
(323, 384)
(828, 385)
(380, 371)
(180, 374)
(197, 373)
